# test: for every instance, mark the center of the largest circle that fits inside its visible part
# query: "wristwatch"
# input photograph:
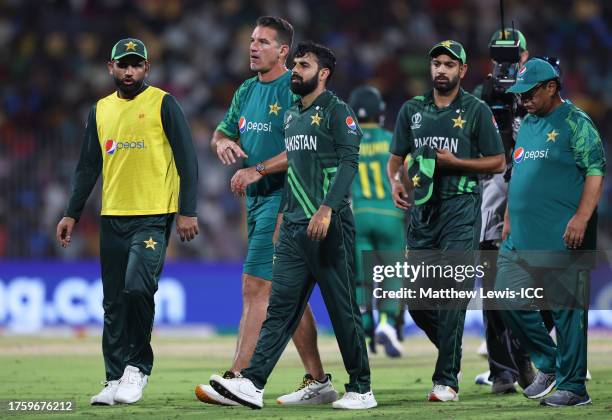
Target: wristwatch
(261, 168)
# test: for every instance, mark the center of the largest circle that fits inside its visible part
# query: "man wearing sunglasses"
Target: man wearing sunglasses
(556, 183)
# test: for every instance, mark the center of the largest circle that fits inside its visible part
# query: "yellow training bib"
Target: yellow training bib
(139, 175)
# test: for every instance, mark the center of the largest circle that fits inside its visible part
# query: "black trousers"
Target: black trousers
(132, 253)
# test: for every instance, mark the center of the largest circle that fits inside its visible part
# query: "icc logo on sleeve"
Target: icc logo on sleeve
(416, 121)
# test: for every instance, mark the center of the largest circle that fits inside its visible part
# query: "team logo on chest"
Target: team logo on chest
(458, 122)
(274, 108)
(552, 136)
(316, 119)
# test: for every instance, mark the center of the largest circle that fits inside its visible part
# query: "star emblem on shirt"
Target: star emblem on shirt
(316, 119)
(274, 108)
(458, 122)
(552, 136)
(150, 243)
(446, 44)
(130, 46)
(416, 181)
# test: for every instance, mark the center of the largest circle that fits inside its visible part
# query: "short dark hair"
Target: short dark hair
(325, 56)
(284, 30)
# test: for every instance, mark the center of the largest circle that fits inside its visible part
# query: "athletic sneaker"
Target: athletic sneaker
(386, 335)
(107, 395)
(562, 398)
(207, 394)
(355, 401)
(239, 389)
(503, 386)
(542, 385)
(483, 378)
(311, 391)
(442, 393)
(131, 385)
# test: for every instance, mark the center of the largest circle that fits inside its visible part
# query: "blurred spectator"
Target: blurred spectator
(52, 68)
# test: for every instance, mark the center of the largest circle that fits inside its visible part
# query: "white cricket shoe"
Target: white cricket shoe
(483, 378)
(207, 394)
(356, 401)
(311, 391)
(107, 395)
(387, 336)
(239, 389)
(442, 393)
(131, 385)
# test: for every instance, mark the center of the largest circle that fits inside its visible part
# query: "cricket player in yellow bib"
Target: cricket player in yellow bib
(139, 139)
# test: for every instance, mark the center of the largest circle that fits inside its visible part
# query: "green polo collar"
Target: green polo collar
(455, 104)
(321, 100)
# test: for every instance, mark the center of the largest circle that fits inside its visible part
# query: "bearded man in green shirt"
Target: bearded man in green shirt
(252, 130)
(317, 235)
(462, 131)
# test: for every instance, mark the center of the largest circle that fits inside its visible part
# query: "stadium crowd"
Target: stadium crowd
(52, 69)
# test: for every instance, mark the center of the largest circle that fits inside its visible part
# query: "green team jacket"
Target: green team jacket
(466, 127)
(322, 143)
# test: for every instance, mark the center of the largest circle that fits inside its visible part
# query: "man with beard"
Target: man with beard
(316, 242)
(253, 130)
(462, 131)
(139, 139)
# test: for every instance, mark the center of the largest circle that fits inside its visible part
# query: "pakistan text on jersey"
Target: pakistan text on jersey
(301, 142)
(448, 143)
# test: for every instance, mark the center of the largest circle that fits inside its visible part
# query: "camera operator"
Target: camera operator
(508, 362)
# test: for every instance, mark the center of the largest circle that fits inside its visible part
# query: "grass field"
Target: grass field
(46, 368)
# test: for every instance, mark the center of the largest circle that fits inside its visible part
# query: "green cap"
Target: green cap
(129, 46)
(367, 102)
(453, 48)
(533, 72)
(511, 34)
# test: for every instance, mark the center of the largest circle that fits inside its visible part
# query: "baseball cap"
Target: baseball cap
(367, 102)
(453, 48)
(533, 72)
(129, 46)
(511, 34)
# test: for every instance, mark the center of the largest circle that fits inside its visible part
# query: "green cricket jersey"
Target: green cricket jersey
(256, 118)
(371, 188)
(552, 157)
(322, 143)
(466, 127)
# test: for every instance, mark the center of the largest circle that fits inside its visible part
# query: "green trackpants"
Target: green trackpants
(568, 357)
(298, 263)
(450, 225)
(132, 252)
